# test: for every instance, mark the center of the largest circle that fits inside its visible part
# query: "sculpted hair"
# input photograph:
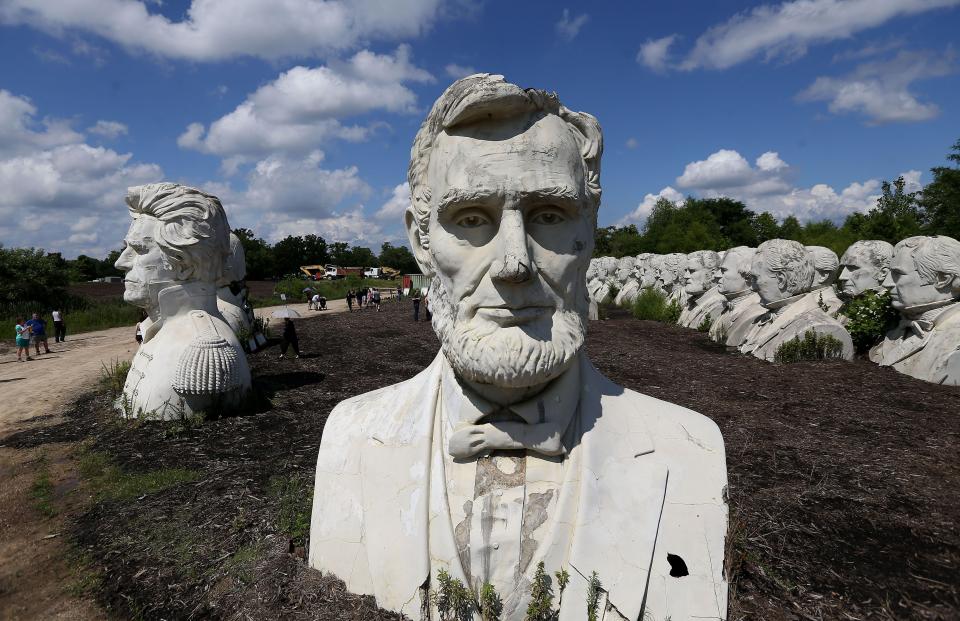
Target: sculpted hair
(824, 259)
(790, 258)
(878, 252)
(483, 96)
(193, 232)
(934, 256)
(744, 257)
(235, 268)
(706, 258)
(675, 262)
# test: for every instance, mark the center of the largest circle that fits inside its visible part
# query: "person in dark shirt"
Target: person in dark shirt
(350, 300)
(38, 331)
(289, 338)
(416, 306)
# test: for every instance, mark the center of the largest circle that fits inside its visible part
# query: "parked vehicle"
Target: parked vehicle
(384, 273)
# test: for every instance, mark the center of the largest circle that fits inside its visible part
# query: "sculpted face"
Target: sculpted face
(649, 274)
(858, 274)
(143, 263)
(768, 284)
(731, 281)
(908, 288)
(511, 235)
(697, 278)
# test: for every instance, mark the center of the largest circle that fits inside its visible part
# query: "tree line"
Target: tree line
(721, 223)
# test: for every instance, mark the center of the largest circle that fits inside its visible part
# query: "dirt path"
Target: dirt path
(35, 573)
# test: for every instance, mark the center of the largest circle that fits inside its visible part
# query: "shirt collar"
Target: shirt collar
(558, 401)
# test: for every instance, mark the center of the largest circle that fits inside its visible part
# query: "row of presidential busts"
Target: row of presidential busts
(186, 270)
(757, 299)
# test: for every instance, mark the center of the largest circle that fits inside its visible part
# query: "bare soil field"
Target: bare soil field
(842, 491)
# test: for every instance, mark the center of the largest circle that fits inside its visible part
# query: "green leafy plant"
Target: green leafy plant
(594, 589)
(114, 375)
(653, 305)
(491, 606)
(870, 316)
(541, 597)
(294, 499)
(811, 347)
(453, 600)
(705, 324)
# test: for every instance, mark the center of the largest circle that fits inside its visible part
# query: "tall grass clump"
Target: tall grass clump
(114, 375)
(654, 305)
(811, 347)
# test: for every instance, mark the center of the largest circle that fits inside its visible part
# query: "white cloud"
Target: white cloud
(879, 90)
(214, 30)
(568, 28)
(768, 186)
(655, 53)
(109, 130)
(456, 71)
(302, 108)
(61, 193)
(632, 143)
(397, 205)
(787, 29)
(643, 210)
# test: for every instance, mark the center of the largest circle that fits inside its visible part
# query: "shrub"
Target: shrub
(811, 347)
(652, 304)
(870, 317)
(453, 600)
(705, 324)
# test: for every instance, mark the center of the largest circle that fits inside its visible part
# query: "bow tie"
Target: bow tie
(544, 438)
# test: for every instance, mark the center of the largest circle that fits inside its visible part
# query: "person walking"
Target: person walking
(59, 328)
(416, 306)
(23, 339)
(361, 297)
(289, 338)
(399, 292)
(350, 300)
(38, 333)
(138, 335)
(376, 299)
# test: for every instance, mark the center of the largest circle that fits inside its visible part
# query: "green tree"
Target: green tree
(258, 255)
(790, 229)
(315, 250)
(361, 256)
(896, 215)
(398, 257)
(288, 255)
(31, 275)
(940, 200)
(340, 253)
(764, 227)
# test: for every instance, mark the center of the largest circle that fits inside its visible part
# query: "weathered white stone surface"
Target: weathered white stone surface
(414, 478)
(703, 297)
(863, 267)
(190, 359)
(783, 273)
(742, 305)
(233, 305)
(924, 285)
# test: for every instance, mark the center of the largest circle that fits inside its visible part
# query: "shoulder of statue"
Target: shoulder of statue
(210, 363)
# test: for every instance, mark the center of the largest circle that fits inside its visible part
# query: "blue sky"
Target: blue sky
(299, 114)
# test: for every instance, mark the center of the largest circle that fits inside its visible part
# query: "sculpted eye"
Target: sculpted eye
(548, 216)
(472, 220)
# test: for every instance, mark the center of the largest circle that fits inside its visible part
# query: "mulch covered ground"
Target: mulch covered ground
(843, 479)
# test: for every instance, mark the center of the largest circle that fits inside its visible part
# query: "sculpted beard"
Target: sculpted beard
(484, 352)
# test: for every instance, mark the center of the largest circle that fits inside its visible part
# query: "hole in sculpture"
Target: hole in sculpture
(678, 568)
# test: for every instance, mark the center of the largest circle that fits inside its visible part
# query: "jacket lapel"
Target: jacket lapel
(396, 500)
(622, 490)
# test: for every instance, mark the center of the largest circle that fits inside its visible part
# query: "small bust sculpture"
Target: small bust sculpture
(649, 278)
(190, 359)
(783, 274)
(703, 298)
(863, 267)
(742, 306)
(924, 285)
(511, 449)
(670, 275)
(232, 293)
(631, 288)
(825, 268)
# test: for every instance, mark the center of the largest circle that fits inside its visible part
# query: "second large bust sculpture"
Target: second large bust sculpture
(511, 448)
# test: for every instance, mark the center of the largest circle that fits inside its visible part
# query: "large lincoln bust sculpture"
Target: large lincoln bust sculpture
(190, 360)
(510, 448)
(924, 285)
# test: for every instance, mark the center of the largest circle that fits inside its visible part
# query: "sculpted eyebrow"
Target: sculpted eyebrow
(454, 196)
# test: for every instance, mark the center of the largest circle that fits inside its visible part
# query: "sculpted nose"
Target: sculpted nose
(514, 264)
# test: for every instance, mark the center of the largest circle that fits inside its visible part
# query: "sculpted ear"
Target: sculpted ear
(950, 282)
(782, 281)
(421, 254)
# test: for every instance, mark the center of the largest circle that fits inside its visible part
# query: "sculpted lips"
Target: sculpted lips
(509, 315)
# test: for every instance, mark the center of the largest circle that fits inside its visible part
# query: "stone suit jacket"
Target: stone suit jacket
(652, 484)
(737, 319)
(934, 358)
(773, 330)
(710, 304)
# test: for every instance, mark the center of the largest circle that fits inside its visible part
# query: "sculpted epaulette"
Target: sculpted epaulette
(210, 364)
